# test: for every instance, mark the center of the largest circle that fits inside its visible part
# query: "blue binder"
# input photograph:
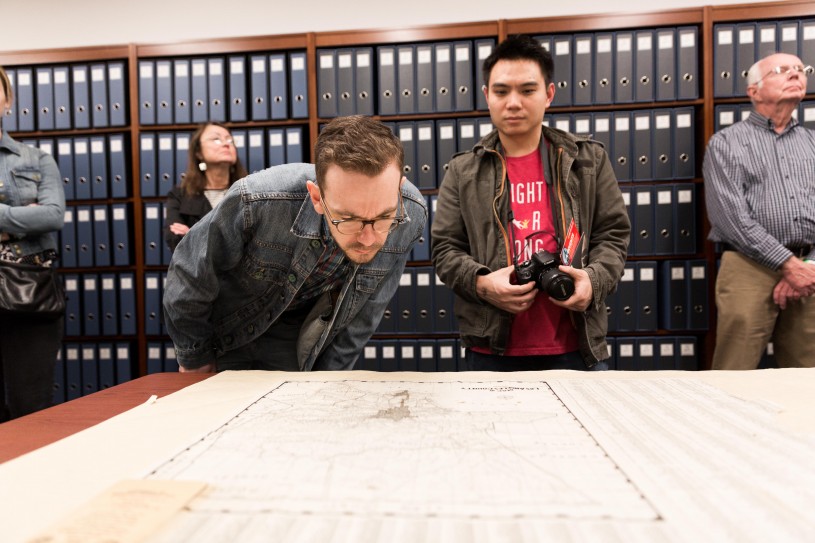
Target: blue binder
(466, 134)
(647, 296)
(153, 240)
(237, 88)
(67, 244)
(684, 143)
(643, 236)
(665, 353)
(724, 60)
(24, 96)
(621, 155)
(110, 304)
(45, 98)
(73, 305)
(73, 372)
(644, 66)
(687, 69)
(483, 49)
(408, 355)
(443, 297)
(124, 365)
(626, 299)
(182, 148)
(239, 138)
(182, 112)
(405, 131)
(84, 237)
(327, 104)
(685, 218)
(443, 76)
(788, 37)
(425, 89)
(425, 154)
(645, 353)
(673, 295)
(388, 355)
(10, 115)
(603, 68)
(155, 364)
(664, 218)
(601, 131)
(170, 362)
(152, 303)
(623, 67)
(387, 324)
(199, 90)
(386, 78)
(166, 162)
(99, 96)
(463, 76)
(164, 101)
(642, 151)
(147, 92)
(698, 307)
(99, 168)
(257, 160)
(426, 355)
(364, 81)
(277, 148)
(346, 97)
(62, 98)
(665, 64)
(127, 304)
(117, 96)
(583, 69)
(147, 165)
(745, 55)
(446, 356)
(369, 358)
(406, 303)
(662, 144)
(299, 86)
(259, 88)
(101, 235)
(82, 169)
(90, 305)
(626, 353)
(106, 365)
(119, 184)
(216, 89)
(562, 57)
(120, 235)
(294, 145)
(687, 358)
(423, 292)
(65, 162)
(446, 145)
(406, 78)
(806, 48)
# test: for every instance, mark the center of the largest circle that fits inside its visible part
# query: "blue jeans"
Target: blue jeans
(475, 361)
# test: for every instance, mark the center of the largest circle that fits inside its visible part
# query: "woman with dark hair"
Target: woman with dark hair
(32, 211)
(212, 167)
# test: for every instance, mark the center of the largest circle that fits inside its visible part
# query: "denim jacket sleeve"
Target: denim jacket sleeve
(214, 246)
(33, 179)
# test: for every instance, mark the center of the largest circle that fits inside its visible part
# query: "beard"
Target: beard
(350, 252)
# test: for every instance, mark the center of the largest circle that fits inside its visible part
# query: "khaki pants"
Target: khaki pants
(748, 319)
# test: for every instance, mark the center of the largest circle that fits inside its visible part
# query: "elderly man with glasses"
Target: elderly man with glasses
(760, 192)
(294, 268)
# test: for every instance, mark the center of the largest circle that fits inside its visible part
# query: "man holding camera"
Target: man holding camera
(506, 211)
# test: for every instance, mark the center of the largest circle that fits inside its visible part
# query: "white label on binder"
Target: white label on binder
(646, 274)
(462, 54)
(621, 124)
(276, 64)
(687, 39)
(725, 37)
(484, 51)
(627, 198)
(422, 279)
(388, 352)
(446, 352)
(424, 56)
(809, 32)
(646, 349)
(119, 214)
(182, 69)
(562, 48)
(666, 41)
(115, 145)
(467, 131)
(603, 45)
(151, 212)
(406, 134)
(71, 285)
(628, 275)
(601, 125)
(146, 143)
(583, 47)
(215, 68)
(199, 69)
(643, 198)
(97, 146)
(406, 280)
(684, 196)
(443, 54)
(642, 123)
(406, 57)
(678, 273)
(446, 133)
(238, 139)
(236, 66)
(80, 147)
(664, 196)
(407, 351)
(370, 352)
(60, 77)
(275, 139)
(293, 137)
(152, 283)
(255, 140)
(97, 74)
(425, 133)
(154, 353)
(809, 114)
(563, 124)
(697, 272)
(126, 283)
(683, 120)
(426, 351)
(343, 61)
(624, 44)
(65, 148)
(644, 43)
(298, 63)
(789, 33)
(89, 283)
(746, 35)
(45, 147)
(726, 118)
(484, 129)
(386, 58)
(182, 143)
(687, 349)
(145, 72)
(627, 350)
(259, 65)
(165, 144)
(666, 349)
(363, 60)
(108, 284)
(767, 35)
(122, 353)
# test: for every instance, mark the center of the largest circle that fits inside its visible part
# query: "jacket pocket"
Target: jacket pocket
(27, 183)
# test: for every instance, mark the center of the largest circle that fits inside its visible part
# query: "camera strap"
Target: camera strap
(547, 176)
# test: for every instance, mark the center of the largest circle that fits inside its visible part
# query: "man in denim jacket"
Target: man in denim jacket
(294, 268)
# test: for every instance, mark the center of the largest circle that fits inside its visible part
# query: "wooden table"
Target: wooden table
(36, 430)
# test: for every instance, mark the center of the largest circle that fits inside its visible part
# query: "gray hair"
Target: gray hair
(754, 75)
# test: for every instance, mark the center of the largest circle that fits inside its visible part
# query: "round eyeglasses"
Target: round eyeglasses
(349, 227)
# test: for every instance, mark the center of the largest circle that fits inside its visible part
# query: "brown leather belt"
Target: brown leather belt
(798, 250)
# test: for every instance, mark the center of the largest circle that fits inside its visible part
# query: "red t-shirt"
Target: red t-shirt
(544, 329)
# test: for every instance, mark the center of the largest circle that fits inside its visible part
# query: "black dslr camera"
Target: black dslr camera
(542, 269)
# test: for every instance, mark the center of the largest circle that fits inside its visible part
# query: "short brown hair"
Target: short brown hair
(9, 92)
(357, 144)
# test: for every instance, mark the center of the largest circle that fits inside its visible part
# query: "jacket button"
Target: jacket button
(250, 329)
(292, 278)
(314, 243)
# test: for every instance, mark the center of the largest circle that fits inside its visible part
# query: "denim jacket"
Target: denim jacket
(239, 268)
(27, 176)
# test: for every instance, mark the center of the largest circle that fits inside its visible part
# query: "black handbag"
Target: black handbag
(30, 290)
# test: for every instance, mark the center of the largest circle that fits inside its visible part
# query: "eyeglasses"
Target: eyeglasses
(784, 70)
(219, 141)
(349, 227)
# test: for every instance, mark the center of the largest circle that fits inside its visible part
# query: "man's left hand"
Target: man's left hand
(583, 291)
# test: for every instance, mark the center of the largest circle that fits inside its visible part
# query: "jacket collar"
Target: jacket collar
(558, 138)
(309, 223)
(7, 142)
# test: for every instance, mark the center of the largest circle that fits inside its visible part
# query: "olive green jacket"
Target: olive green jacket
(470, 238)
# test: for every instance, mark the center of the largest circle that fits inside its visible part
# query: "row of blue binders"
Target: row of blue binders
(621, 67)
(84, 368)
(643, 145)
(164, 155)
(95, 235)
(653, 353)
(663, 218)
(161, 357)
(100, 304)
(422, 305)
(67, 97)
(738, 46)
(669, 295)
(92, 168)
(727, 114)
(237, 88)
(402, 79)
(153, 296)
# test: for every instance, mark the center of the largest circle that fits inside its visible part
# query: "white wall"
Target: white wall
(44, 24)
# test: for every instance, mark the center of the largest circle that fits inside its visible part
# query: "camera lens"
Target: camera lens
(556, 284)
